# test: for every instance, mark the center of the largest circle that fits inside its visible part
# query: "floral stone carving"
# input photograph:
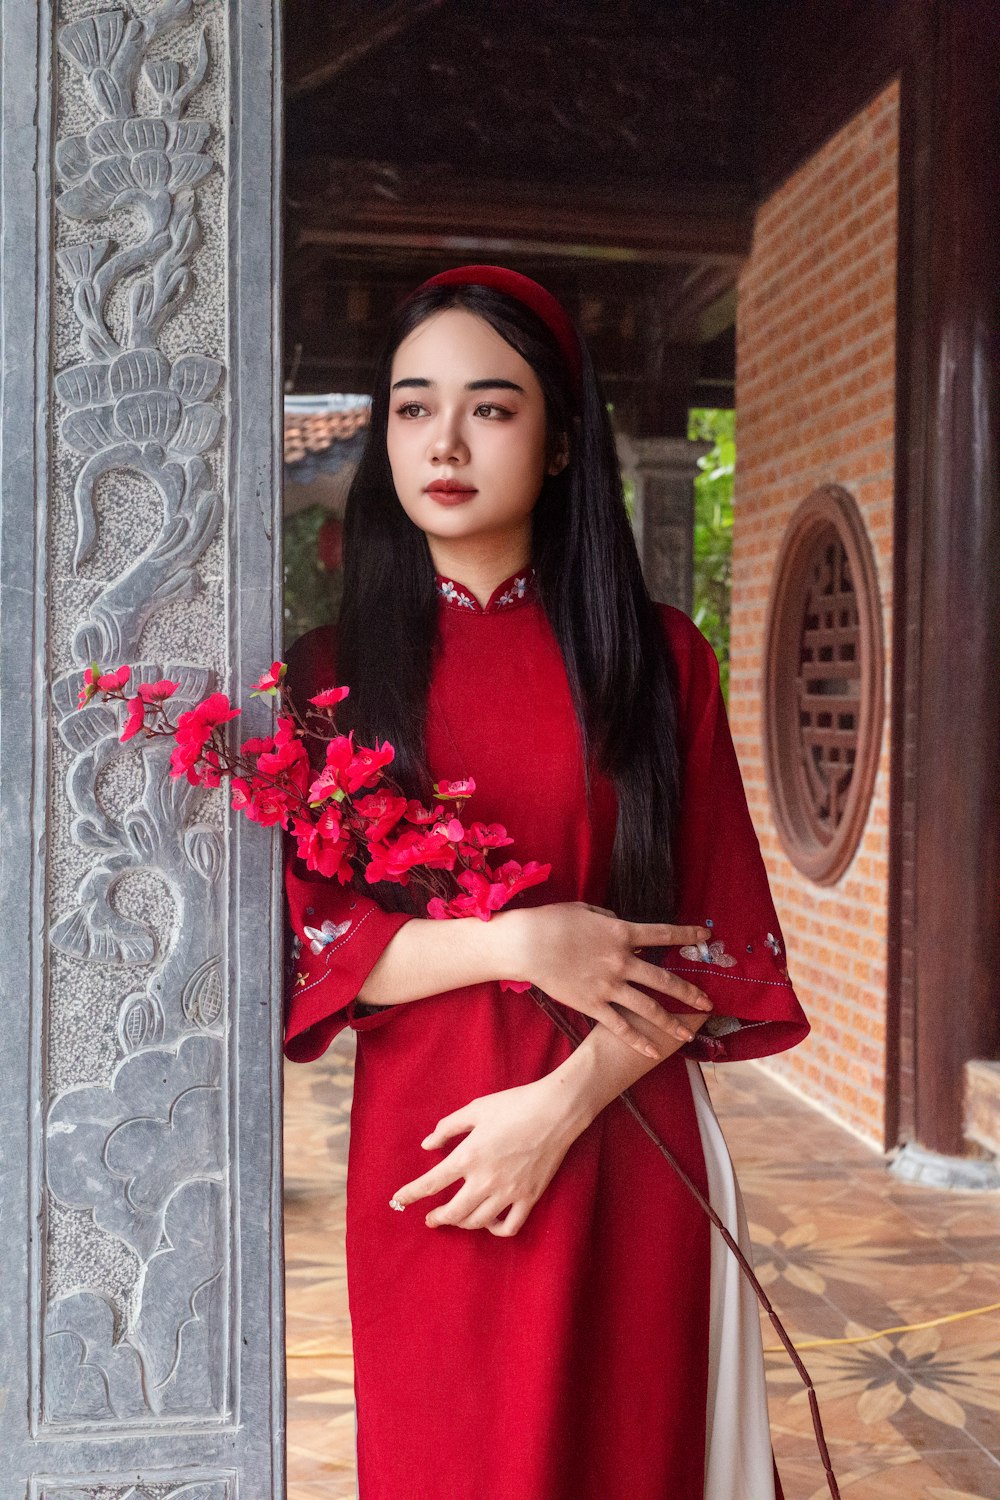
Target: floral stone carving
(145, 1153)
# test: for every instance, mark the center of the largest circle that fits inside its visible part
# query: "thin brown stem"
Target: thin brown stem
(565, 1026)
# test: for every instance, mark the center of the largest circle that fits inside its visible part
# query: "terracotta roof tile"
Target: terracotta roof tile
(315, 432)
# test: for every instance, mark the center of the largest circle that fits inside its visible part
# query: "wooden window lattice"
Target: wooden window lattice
(829, 685)
(823, 702)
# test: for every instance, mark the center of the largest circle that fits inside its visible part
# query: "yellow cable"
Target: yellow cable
(864, 1338)
(867, 1338)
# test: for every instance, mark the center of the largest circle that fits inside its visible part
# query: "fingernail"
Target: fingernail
(651, 1052)
(687, 1036)
(395, 1203)
(704, 1003)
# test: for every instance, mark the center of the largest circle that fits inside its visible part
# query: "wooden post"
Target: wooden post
(946, 818)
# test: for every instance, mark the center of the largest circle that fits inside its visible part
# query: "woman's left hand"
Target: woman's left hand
(516, 1140)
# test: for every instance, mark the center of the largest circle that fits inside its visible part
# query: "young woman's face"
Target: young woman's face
(467, 436)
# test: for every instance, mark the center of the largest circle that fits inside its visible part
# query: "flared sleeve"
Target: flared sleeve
(721, 878)
(334, 934)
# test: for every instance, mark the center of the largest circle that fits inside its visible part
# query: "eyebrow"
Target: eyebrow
(472, 385)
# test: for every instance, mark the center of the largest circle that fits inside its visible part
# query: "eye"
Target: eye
(410, 409)
(499, 413)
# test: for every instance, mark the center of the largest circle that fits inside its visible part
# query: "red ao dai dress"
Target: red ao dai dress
(610, 1349)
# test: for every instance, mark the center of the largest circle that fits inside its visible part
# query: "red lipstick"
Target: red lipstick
(450, 491)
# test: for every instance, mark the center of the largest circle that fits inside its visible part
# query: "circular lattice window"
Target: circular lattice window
(823, 700)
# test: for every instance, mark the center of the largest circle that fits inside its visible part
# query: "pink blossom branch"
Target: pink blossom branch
(210, 759)
(436, 840)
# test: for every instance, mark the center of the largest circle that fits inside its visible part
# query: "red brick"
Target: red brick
(815, 342)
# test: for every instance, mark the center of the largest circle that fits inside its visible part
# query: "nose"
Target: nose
(447, 444)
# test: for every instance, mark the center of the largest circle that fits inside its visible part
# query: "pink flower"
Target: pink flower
(329, 696)
(268, 682)
(256, 746)
(453, 830)
(135, 719)
(211, 771)
(480, 837)
(286, 731)
(382, 811)
(350, 767)
(89, 686)
(487, 892)
(417, 813)
(194, 729)
(394, 861)
(216, 709)
(241, 794)
(260, 802)
(451, 790)
(514, 878)
(488, 835)
(283, 757)
(325, 786)
(366, 764)
(95, 681)
(325, 846)
(114, 680)
(477, 902)
(155, 692)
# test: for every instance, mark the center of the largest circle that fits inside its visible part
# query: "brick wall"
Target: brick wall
(815, 393)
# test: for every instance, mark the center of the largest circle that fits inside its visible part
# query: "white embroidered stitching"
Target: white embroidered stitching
(516, 591)
(453, 594)
(331, 949)
(730, 1030)
(710, 953)
(784, 984)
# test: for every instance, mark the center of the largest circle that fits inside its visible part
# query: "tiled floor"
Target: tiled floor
(842, 1248)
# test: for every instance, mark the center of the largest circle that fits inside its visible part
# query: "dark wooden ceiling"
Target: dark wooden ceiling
(611, 148)
(557, 92)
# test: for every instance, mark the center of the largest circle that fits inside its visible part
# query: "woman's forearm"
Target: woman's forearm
(427, 957)
(602, 1066)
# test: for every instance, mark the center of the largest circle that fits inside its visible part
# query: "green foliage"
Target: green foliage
(312, 595)
(628, 488)
(713, 529)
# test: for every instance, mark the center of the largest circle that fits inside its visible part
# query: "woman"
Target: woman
(540, 1311)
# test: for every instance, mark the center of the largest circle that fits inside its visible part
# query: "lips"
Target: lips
(450, 491)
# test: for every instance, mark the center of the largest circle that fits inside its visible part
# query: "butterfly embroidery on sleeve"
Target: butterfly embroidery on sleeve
(710, 953)
(321, 937)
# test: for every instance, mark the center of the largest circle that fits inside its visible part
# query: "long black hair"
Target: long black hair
(590, 585)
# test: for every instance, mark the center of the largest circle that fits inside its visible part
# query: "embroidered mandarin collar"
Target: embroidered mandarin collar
(517, 588)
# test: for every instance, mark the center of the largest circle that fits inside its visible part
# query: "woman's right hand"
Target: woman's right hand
(584, 956)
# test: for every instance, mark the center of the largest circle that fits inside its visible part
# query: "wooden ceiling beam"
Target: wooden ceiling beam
(337, 205)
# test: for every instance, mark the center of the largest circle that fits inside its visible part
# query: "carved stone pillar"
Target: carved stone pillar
(140, 1252)
(663, 471)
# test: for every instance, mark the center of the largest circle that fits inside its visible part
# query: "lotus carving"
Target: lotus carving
(139, 397)
(121, 161)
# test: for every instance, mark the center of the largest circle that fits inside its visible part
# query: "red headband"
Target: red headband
(532, 294)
